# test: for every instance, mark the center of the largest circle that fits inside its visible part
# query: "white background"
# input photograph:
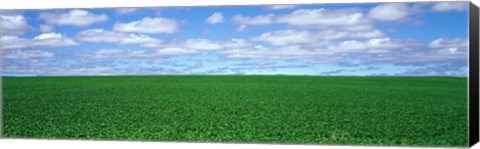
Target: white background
(85, 144)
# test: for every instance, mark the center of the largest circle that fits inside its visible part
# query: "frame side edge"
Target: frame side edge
(473, 74)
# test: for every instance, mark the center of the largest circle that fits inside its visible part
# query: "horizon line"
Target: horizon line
(119, 75)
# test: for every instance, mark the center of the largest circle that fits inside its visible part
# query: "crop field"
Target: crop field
(418, 111)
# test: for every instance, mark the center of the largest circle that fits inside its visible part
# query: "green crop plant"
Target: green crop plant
(420, 111)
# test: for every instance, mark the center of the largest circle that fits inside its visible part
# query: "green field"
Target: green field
(419, 111)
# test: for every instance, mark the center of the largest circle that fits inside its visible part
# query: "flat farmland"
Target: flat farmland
(418, 111)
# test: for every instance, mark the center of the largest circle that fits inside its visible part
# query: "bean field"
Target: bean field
(418, 111)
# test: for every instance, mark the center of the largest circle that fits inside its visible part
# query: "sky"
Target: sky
(374, 39)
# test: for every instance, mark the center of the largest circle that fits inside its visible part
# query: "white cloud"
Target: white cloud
(97, 70)
(236, 43)
(279, 7)
(45, 39)
(376, 45)
(349, 45)
(75, 17)
(173, 48)
(114, 53)
(154, 44)
(215, 18)
(102, 36)
(90, 67)
(148, 25)
(122, 11)
(173, 51)
(285, 37)
(119, 53)
(448, 43)
(368, 34)
(290, 36)
(402, 52)
(325, 18)
(46, 28)
(439, 70)
(240, 68)
(256, 20)
(139, 39)
(389, 12)
(331, 34)
(202, 44)
(452, 46)
(292, 52)
(53, 40)
(26, 54)
(241, 28)
(47, 36)
(450, 6)
(351, 19)
(199, 44)
(13, 42)
(13, 24)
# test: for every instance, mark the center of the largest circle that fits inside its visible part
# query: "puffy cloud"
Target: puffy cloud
(256, 20)
(122, 11)
(448, 43)
(148, 25)
(46, 28)
(102, 36)
(139, 39)
(285, 37)
(368, 34)
(294, 44)
(376, 45)
(74, 17)
(240, 68)
(12, 42)
(404, 52)
(26, 54)
(290, 36)
(202, 44)
(376, 50)
(215, 18)
(13, 24)
(450, 68)
(241, 28)
(344, 18)
(449, 6)
(279, 7)
(47, 36)
(389, 12)
(99, 35)
(285, 52)
(91, 67)
(235, 43)
(455, 45)
(119, 53)
(53, 40)
(205, 44)
(41, 68)
(45, 39)
(331, 34)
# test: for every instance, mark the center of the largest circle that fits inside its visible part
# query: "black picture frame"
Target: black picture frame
(473, 74)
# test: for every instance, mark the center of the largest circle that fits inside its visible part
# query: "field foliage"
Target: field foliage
(419, 111)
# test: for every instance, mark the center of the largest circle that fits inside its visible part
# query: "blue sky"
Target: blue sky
(400, 39)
